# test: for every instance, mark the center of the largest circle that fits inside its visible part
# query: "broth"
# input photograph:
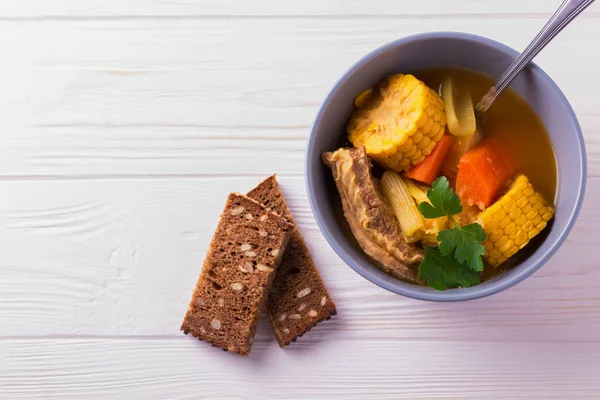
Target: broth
(512, 121)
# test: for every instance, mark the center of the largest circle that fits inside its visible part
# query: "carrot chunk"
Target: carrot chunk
(429, 169)
(482, 173)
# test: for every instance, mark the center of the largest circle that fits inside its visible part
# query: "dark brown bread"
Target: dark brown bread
(238, 272)
(298, 299)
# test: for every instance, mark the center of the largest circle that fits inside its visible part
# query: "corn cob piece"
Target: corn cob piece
(399, 123)
(513, 220)
(408, 215)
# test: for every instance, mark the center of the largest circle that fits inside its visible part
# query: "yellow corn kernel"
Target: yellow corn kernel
(547, 216)
(541, 225)
(500, 214)
(406, 146)
(521, 238)
(532, 233)
(493, 255)
(516, 213)
(510, 228)
(495, 234)
(409, 154)
(522, 202)
(419, 160)
(503, 223)
(507, 247)
(513, 220)
(423, 144)
(521, 220)
(429, 147)
(409, 119)
(502, 241)
(440, 133)
(509, 207)
(418, 137)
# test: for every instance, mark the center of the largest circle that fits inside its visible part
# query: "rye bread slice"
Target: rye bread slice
(238, 272)
(298, 299)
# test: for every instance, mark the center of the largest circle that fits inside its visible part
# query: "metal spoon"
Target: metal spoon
(567, 11)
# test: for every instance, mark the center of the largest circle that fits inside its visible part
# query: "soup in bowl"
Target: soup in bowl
(422, 200)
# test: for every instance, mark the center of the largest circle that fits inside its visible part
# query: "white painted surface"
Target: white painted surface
(124, 124)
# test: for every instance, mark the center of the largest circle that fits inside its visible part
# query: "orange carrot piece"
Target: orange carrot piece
(482, 173)
(429, 169)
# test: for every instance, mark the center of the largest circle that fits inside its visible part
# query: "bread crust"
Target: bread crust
(237, 275)
(298, 299)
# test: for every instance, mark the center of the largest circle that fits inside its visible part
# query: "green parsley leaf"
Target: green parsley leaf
(457, 259)
(444, 202)
(465, 243)
(445, 272)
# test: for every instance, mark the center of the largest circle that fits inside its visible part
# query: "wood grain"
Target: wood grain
(176, 97)
(120, 257)
(124, 124)
(179, 152)
(187, 369)
(335, 8)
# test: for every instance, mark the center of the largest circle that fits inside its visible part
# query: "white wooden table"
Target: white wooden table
(124, 124)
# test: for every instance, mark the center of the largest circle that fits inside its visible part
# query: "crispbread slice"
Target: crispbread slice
(238, 272)
(298, 299)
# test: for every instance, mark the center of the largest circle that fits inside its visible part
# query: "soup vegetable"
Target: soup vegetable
(460, 198)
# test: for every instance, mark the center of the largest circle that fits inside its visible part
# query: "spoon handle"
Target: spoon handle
(567, 11)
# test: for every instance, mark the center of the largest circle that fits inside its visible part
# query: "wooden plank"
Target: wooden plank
(190, 8)
(129, 152)
(332, 369)
(124, 125)
(170, 97)
(132, 151)
(120, 257)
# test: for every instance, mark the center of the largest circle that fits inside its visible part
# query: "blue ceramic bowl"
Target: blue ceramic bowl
(457, 50)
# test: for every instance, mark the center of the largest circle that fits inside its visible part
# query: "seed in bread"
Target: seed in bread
(232, 289)
(298, 299)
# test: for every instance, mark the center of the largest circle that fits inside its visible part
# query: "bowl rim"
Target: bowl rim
(451, 295)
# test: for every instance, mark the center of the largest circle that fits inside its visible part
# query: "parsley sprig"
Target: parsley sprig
(457, 259)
